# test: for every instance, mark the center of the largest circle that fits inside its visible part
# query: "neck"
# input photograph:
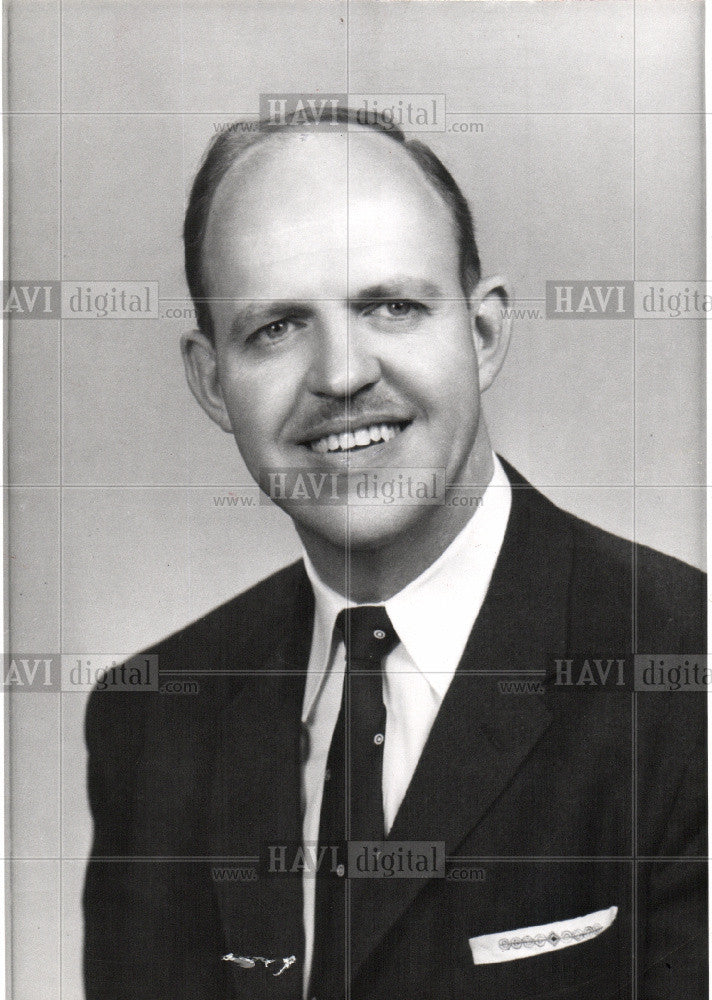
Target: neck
(372, 575)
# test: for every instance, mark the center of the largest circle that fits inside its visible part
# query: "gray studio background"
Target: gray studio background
(115, 539)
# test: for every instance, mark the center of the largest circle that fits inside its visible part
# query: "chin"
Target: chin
(366, 528)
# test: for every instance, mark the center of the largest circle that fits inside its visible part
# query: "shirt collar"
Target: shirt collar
(434, 614)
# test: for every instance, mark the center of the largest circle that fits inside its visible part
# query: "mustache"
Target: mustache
(357, 409)
(374, 408)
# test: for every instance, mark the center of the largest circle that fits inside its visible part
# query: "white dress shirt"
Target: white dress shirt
(433, 616)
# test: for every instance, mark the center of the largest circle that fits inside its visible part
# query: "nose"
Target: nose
(342, 362)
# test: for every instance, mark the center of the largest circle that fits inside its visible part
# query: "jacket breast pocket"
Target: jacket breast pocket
(582, 957)
(528, 942)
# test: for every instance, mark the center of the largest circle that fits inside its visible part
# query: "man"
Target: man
(541, 845)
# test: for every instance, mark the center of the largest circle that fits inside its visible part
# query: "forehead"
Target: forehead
(306, 209)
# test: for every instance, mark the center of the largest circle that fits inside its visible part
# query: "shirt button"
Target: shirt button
(379, 634)
(378, 739)
(340, 871)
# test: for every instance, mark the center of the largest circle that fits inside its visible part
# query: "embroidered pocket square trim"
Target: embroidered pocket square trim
(506, 946)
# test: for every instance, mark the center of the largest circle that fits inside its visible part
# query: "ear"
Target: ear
(491, 325)
(201, 371)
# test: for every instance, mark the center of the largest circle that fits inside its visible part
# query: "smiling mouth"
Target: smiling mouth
(362, 437)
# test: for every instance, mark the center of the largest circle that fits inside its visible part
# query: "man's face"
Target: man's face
(342, 335)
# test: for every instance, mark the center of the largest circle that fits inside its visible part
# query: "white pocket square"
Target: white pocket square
(527, 941)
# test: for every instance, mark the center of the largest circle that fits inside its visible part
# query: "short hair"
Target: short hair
(231, 143)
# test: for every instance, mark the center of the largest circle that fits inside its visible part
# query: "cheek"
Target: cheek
(459, 370)
(257, 403)
(441, 370)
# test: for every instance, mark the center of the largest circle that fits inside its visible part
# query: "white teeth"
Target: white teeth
(355, 439)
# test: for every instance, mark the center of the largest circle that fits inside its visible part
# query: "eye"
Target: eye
(399, 309)
(272, 332)
(395, 309)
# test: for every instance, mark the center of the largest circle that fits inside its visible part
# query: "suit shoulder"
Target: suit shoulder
(658, 576)
(619, 591)
(242, 621)
(666, 596)
(214, 648)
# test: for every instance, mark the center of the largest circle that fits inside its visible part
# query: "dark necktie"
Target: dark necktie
(352, 805)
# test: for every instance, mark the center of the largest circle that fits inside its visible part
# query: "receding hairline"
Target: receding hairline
(287, 136)
(231, 148)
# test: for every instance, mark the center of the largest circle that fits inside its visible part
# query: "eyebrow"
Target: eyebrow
(399, 288)
(259, 312)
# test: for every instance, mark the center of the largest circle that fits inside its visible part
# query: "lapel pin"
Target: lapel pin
(245, 962)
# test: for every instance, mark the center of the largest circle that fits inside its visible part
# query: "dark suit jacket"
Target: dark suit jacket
(568, 801)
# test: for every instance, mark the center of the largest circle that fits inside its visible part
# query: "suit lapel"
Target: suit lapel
(256, 802)
(481, 737)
